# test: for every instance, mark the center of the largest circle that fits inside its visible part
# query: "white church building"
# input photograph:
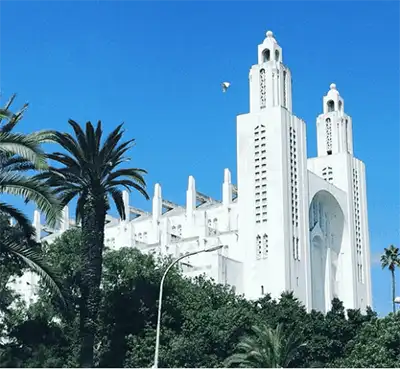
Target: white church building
(292, 223)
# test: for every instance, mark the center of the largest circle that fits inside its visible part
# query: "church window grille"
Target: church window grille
(260, 176)
(265, 246)
(293, 176)
(327, 174)
(258, 247)
(263, 89)
(357, 222)
(328, 134)
(284, 88)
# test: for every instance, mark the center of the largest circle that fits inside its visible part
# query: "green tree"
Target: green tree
(91, 172)
(377, 345)
(265, 348)
(19, 154)
(390, 259)
(13, 310)
(202, 322)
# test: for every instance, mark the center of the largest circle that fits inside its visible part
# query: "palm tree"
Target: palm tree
(266, 348)
(391, 259)
(19, 154)
(90, 171)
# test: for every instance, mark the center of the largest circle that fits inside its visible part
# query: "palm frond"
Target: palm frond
(32, 190)
(9, 163)
(116, 195)
(37, 264)
(265, 348)
(20, 218)
(25, 146)
(4, 113)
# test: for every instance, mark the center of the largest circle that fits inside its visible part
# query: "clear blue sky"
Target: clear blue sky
(157, 67)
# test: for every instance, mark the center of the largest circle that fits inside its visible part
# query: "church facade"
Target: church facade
(292, 223)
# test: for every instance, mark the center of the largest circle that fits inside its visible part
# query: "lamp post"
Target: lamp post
(161, 295)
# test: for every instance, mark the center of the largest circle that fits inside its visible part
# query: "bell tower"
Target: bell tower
(272, 176)
(334, 126)
(270, 80)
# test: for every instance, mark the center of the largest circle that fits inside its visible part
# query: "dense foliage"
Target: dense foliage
(203, 324)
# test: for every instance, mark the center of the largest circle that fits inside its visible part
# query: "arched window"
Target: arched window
(340, 105)
(331, 105)
(266, 55)
(276, 55)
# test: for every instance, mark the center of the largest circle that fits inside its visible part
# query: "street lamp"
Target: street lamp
(397, 300)
(161, 295)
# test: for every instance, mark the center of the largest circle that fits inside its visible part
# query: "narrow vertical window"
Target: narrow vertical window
(284, 89)
(263, 90)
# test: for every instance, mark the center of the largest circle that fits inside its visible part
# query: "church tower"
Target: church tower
(334, 130)
(270, 80)
(272, 182)
(336, 164)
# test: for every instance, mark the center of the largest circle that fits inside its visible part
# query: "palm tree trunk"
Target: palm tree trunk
(393, 291)
(93, 222)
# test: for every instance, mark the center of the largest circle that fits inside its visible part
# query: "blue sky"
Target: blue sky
(157, 67)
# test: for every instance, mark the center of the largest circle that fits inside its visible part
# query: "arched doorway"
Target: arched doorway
(326, 237)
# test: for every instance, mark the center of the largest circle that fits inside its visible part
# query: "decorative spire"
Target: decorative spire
(333, 91)
(190, 198)
(157, 203)
(270, 37)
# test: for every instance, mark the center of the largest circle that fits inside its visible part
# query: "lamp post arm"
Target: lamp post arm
(160, 296)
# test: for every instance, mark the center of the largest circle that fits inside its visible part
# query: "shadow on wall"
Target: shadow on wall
(327, 235)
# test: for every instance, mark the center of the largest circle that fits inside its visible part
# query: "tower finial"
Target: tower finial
(270, 34)
(333, 86)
